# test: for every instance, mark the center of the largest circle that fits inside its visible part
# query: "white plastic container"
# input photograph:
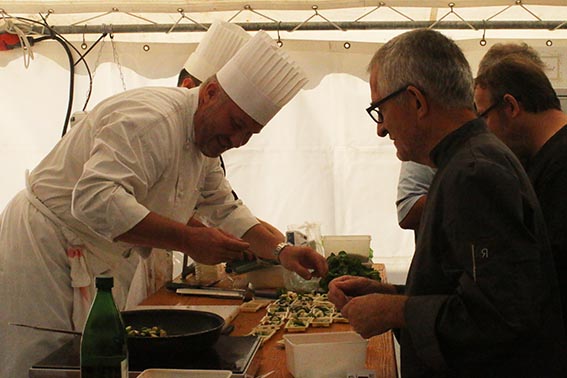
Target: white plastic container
(325, 355)
(358, 245)
(178, 373)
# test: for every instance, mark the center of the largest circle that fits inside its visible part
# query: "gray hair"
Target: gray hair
(430, 61)
(501, 50)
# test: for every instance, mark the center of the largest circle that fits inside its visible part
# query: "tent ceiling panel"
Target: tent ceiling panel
(153, 6)
(152, 16)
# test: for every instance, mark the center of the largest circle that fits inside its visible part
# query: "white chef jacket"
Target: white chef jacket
(132, 154)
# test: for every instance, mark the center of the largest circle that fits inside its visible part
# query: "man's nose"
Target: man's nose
(240, 139)
(381, 130)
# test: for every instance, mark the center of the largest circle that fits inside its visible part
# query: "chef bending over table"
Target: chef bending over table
(132, 174)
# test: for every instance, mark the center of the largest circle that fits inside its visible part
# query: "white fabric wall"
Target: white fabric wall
(319, 160)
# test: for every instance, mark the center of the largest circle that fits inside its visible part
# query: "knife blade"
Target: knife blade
(212, 292)
(58, 330)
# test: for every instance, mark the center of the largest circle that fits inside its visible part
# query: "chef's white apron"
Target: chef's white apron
(58, 286)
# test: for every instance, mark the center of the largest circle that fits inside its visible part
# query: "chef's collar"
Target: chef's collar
(446, 147)
(191, 108)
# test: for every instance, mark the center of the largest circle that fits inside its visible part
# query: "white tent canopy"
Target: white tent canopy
(319, 160)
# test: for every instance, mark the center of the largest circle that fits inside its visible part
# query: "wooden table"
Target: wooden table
(271, 356)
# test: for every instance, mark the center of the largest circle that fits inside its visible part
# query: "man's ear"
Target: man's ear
(188, 83)
(418, 101)
(209, 91)
(511, 105)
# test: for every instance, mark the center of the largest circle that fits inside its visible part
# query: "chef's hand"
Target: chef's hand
(211, 246)
(301, 258)
(374, 314)
(341, 289)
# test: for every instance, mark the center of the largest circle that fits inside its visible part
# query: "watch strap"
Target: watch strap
(279, 248)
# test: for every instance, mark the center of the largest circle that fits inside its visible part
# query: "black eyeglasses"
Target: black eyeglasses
(484, 114)
(374, 109)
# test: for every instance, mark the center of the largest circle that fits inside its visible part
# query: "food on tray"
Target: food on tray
(321, 322)
(297, 324)
(251, 306)
(273, 320)
(339, 318)
(263, 332)
(322, 311)
(298, 312)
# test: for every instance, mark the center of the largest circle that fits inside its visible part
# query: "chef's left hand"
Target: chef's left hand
(374, 314)
(301, 258)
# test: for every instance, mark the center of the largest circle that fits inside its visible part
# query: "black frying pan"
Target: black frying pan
(188, 332)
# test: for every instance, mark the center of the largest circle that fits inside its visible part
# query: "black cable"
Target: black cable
(65, 43)
(82, 58)
(71, 83)
(71, 76)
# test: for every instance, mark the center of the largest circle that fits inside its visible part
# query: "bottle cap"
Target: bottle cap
(104, 282)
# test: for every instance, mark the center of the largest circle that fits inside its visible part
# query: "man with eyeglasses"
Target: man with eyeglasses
(521, 107)
(481, 295)
(415, 178)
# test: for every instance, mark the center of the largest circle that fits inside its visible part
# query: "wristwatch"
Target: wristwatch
(279, 248)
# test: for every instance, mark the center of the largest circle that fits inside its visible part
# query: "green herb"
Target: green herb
(342, 265)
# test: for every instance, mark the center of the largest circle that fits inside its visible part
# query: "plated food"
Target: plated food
(253, 305)
(297, 312)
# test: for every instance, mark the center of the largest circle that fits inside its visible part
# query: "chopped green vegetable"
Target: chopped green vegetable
(342, 264)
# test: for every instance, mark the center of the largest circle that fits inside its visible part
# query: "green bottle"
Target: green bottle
(104, 352)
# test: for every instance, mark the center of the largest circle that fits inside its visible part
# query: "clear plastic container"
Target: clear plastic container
(325, 355)
(293, 281)
(358, 245)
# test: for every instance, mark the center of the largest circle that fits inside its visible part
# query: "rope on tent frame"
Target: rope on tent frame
(380, 5)
(249, 8)
(315, 7)
(452, 11)
(114, 10)
(559, 26)
(180, 10)
(516, 2)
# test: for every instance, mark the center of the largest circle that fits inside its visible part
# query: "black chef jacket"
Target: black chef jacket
(548, 172)
(483, 291)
